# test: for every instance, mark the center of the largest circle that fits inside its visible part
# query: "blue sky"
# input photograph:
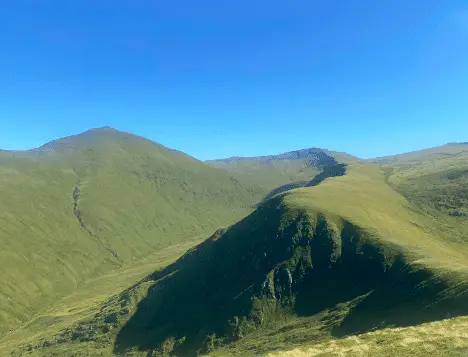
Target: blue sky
(218, 78)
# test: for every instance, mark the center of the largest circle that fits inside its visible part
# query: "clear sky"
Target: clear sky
(224, 78)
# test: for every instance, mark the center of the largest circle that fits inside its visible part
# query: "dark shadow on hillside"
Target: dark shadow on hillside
(199, 294)
(328, 172)
(284, 188)
(409, 296)
(277, 260)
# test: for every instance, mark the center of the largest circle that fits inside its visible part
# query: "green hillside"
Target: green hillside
(415, 157)
(436, 339)
(302, 253)
(83, 205)
(436, 182)
(291, 170)
(342, 257)
(434, 178)
(345, 256)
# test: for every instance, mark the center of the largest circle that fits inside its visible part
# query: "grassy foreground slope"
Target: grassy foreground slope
(83, 205)
(438, 339)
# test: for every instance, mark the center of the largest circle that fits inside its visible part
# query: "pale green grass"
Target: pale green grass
(87, 299)
(441, 338)
(133, 198)
(435, 153)
(362, 197)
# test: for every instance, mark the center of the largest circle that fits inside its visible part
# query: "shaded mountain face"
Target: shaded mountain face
(349, 240)
(332, 170)
(82, 205)
(314, 156)
(311, 157)
(285, 261)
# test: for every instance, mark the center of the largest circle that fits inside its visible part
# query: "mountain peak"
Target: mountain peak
(85, 138)
(103, 129)
(283, 156)
(312, 153)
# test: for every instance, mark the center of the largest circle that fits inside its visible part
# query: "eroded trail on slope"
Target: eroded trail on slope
(79, 218)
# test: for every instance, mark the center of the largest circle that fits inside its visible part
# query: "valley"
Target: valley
(127, 248)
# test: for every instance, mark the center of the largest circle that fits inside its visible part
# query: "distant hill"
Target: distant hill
(416, 156)
(435, 178)
(343, 255)
(315, 157)
(291, 169)
(84, 204)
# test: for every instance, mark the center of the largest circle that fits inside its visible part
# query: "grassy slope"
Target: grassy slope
(274, 171)
(431, 241)
(422, 155)
(438, 339)
(433, 178)
(389, 259)
(435, 182)
(87, 301)
(84, 205)
(440, 247)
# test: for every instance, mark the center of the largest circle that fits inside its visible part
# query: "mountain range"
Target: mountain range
(116, 245)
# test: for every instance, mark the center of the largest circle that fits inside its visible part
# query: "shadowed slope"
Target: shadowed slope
(351, 240)
(327, 172)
